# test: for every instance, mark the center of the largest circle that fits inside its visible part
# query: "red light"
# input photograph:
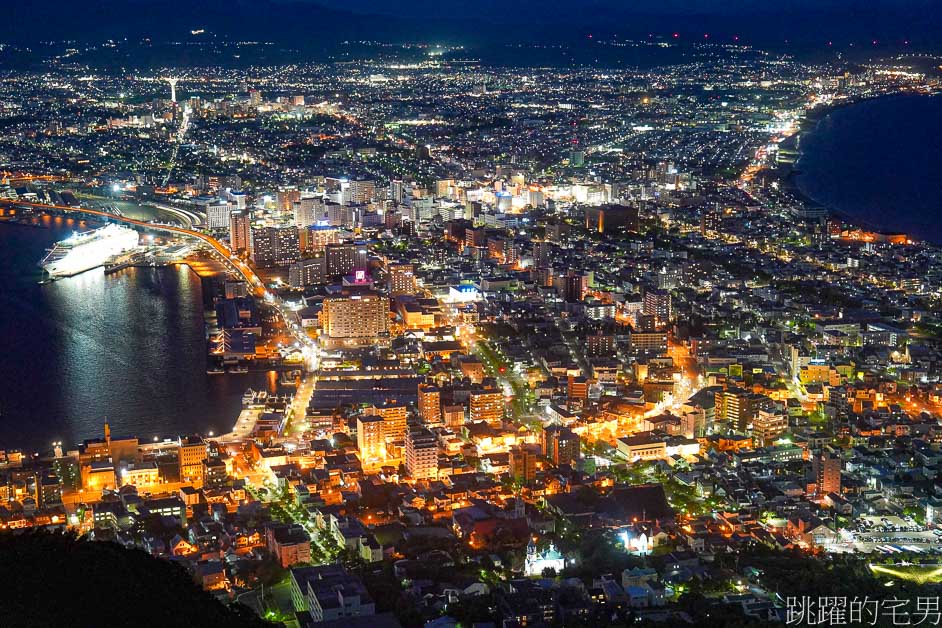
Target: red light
(706, 35)
(735, 37)
(676, 35)
(830, 43)
(590, 35)
(874, 42)
(502, 369)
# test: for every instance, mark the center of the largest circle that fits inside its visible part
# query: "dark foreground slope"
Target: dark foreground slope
(59, 580)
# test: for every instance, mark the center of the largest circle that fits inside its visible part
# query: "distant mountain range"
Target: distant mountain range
(309, 24)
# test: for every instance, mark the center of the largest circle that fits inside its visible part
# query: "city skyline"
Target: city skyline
(413, 324)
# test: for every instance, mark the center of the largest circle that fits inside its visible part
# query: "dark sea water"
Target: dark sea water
(879, 161)
(128, 347)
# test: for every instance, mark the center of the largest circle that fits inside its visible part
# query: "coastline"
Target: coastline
(218, 393)
(808, 125)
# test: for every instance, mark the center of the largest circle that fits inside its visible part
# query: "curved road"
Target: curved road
(258, 288)
(243, 269)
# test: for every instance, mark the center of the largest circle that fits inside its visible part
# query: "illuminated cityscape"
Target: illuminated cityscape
(521, 344)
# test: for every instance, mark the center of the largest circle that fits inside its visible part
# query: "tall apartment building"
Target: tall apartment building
(341, 215)
(360, 191)
(657, 303)
(191, 453)
(285, 199)
(370, 441)
(315, 239)
(486, 405)
(397, 191)
(560, 444)
(343, 258)
(330, 594)
(421, 454)
(577, 387)
(395, 417)
(218, 212)
(275, 246)
(651, 342)
(739, 407)
(600, 345)
(523, 460)
(307, 211)
(828, 473)
(362, 315)
(453, 416)
(574, 287)
(430, 404)
(240, 231)
(307, 272)
(401, 279)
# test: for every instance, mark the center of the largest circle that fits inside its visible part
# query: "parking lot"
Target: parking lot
(888, 535)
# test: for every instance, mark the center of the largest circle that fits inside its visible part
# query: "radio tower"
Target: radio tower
(173, 88)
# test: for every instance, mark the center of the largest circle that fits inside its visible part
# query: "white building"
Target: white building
(537, 561)
(421, 454)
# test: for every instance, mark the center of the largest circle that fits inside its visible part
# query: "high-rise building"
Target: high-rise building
(314, 240)
(575, 287)
(240, 231)
(361, 315)
(307, 211)
(215, 474)
(453, 415)
(307, 272)
(600, 345)
(430, 404)
(329, 594)
(397, 191)
(657, 303)
(523, 459)
(739, 407)
(542, 253)
(218, 213)
(560, 444)
(395, 417)
(828, 473)
(649, 342)
(343, 258)
(191, 453)
(362, 191)
(486, 405)
(711, 221)
(370, 441)
(476, 236)
(275, 246)
(401, 279)
(421, 454)
(341, 215)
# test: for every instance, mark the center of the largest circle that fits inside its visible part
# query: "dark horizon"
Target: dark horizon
(799, 26)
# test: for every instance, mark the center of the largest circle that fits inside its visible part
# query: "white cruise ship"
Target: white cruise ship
(84, 251)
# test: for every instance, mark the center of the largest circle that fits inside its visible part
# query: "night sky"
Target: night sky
(480, 22)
